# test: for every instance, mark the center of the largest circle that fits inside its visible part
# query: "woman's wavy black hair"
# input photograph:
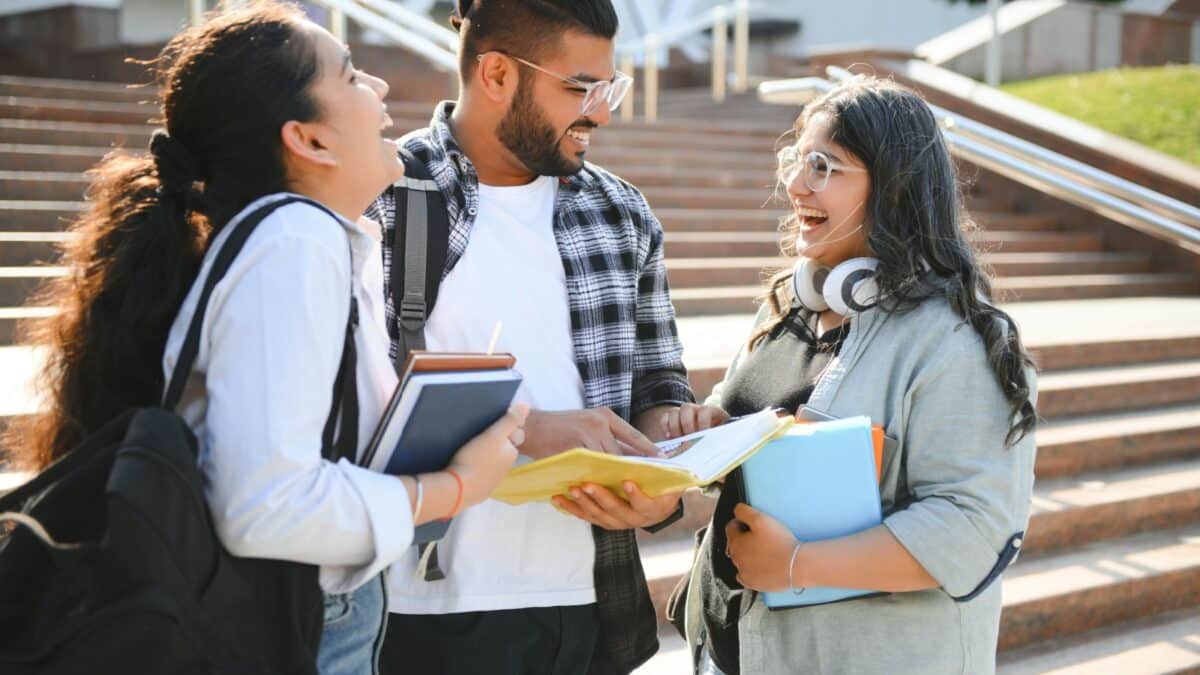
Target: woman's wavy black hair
(916, 226)
(226, 89)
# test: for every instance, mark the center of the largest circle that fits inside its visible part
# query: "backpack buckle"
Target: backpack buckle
(412, 313)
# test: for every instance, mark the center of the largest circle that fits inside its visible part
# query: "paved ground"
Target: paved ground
(671, 659)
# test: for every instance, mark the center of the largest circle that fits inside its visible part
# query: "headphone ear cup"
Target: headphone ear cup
(851, 286)
(808, 278)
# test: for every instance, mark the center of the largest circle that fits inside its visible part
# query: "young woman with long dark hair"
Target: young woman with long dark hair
(888, 314)
(257, 104)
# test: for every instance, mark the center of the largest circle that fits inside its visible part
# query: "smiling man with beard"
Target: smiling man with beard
(570, 259)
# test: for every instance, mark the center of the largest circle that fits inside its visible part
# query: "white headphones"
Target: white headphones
(847, 289)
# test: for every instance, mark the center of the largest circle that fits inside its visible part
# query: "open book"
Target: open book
(442, 401)
(693, 460)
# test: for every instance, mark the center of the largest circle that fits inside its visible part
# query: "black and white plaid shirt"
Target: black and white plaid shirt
(622, 326)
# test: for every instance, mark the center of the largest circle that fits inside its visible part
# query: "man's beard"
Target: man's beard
(526, 133)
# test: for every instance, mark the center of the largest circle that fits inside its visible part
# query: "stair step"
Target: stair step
(1166, 644)
(79, 90)
(1096, 442)
(721, 271)
(1100, 585)
(1091, 353)
(1082, 286)
(41, 185)
(28, 248)
(739, 299)
(90, 134)
(1091, 507)
(66, 110)
(668, 138)
(65, 158)
(10, 318)
(38, 215)
(763, 244)
(648, 175)
(613, 156)
(18, 283)
(1124, 387)
(735, 216)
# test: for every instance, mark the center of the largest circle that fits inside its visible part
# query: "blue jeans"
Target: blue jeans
(353, 632)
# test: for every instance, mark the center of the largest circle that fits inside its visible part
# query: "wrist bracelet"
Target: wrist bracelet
(791, 564)
(420, 497)
(457, 499)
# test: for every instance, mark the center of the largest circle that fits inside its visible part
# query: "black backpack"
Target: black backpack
(109, 562)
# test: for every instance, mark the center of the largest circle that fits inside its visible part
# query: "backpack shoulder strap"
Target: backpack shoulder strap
(345, 396)
(420, 243)
(419, 247)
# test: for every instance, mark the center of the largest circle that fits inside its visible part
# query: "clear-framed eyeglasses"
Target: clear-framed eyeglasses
(815, 166)
(595, 94)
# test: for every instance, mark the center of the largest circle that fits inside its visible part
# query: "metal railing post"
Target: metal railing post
(720, 50)
(741, 46)
(195, 11)
(651, 75)
(627, 66)
(337, 24)
(993, 54)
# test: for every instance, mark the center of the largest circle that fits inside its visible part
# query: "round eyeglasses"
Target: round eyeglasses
(815, 166)
(595, 93)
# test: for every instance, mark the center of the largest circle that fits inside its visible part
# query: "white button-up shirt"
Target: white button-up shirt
(262, 386)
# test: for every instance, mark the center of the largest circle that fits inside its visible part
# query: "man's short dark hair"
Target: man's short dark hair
(530, 29)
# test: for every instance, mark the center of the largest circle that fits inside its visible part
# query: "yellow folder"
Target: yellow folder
(542, 479)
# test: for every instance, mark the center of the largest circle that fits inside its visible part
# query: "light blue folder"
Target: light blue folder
(819, 480)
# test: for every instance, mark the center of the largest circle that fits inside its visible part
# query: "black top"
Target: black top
(780, 372)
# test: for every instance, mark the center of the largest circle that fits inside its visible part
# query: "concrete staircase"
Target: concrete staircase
(1110, 577)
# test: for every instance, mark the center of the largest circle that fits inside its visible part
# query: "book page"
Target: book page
(707, 454)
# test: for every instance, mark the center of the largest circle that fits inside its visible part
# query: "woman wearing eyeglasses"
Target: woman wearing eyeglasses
(885, 313)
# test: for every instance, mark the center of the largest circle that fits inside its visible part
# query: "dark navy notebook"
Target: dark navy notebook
(431, 417)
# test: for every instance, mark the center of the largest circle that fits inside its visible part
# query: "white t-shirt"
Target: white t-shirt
(498, 556)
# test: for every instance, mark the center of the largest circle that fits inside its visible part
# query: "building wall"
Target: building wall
(888, 24)
(151, 21)
(8, 7)
(1081, 37)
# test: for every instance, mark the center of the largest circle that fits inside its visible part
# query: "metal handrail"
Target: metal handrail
(416, 22)
(1047, 171)
(715, 18)
(407, 28)
(1083, 173)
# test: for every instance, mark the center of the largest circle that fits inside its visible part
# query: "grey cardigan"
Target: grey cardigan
(924, 376)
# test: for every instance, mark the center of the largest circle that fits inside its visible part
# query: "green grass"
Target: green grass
(1157, 107)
